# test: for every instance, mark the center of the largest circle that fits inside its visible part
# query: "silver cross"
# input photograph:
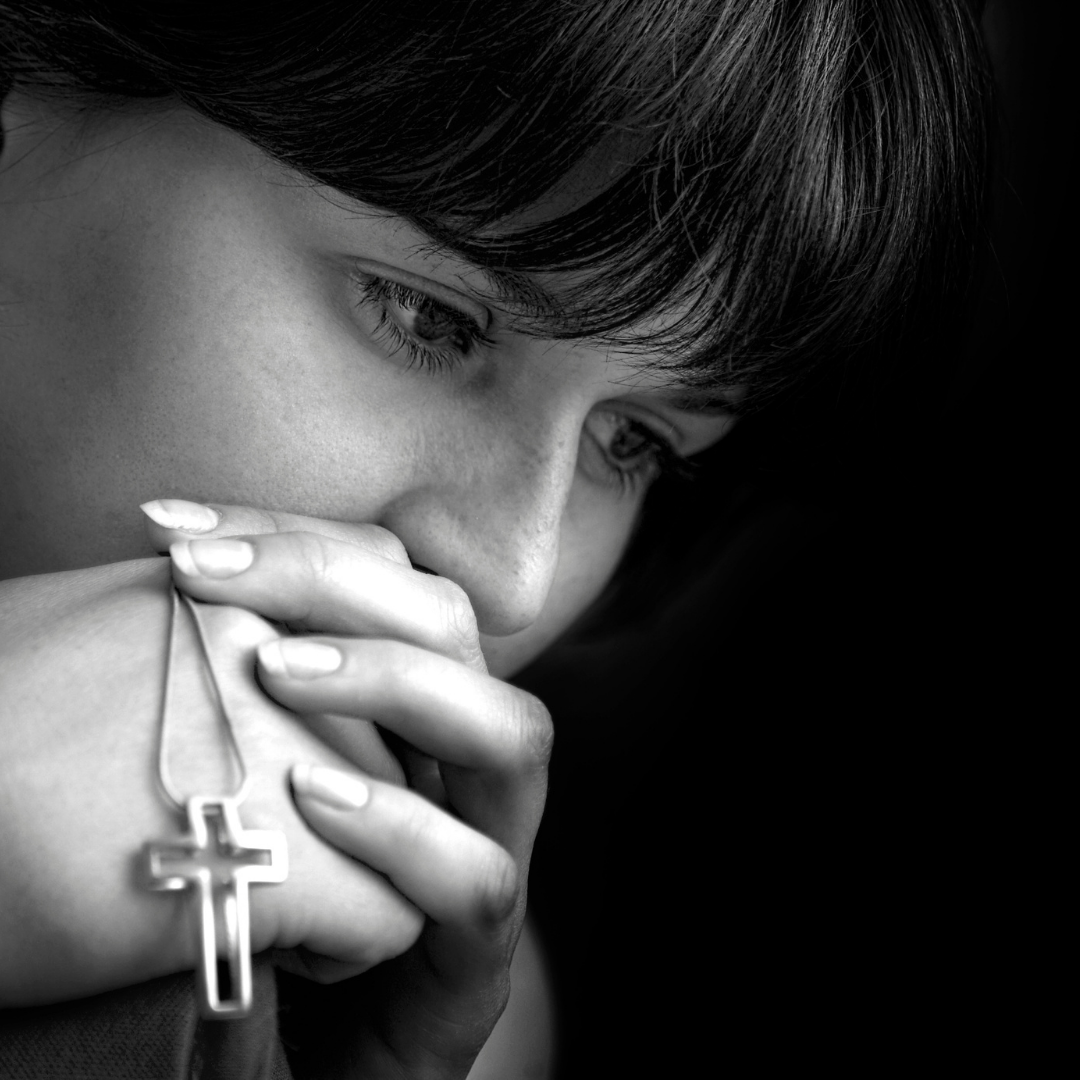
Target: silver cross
(220, 858)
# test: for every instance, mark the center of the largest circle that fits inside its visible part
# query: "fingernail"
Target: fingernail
(338, 790)
(212, 558)
(181, 514)
(299, 658)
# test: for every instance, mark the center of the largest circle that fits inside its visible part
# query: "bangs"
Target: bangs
(744, 190)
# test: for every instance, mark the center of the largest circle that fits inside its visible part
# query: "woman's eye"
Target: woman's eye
(627, 452)
(432, 334)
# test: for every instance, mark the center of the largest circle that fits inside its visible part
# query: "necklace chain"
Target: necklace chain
(217, 860)
(164, 776)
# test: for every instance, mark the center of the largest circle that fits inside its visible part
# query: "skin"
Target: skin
(182, 318)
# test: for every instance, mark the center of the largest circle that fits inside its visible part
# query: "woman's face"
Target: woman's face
(181, 317)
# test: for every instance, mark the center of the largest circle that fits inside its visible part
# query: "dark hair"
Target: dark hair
(792, 180)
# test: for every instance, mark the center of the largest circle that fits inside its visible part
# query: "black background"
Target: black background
(802, 818)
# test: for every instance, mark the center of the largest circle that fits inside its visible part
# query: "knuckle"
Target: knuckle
(399, 932)
(534, 731)
(314, 550)
(390, 666)
(457, 616)
(385, 544)
(417, 830)
(264, 521)
(238, 627)
(499, 889)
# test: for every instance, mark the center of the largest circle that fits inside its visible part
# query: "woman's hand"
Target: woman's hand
(81, 664)
(477, 747)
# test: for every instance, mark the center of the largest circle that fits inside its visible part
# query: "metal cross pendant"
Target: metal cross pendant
(219, 858)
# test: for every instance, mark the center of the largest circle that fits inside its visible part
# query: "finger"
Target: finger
(314, 967)
(169, 520)
(458, 877)
(313, 582)
(441, 707)
(493, 740)
(344, 911)
(328, 903)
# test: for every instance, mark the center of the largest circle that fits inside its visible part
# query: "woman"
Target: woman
(389, 317)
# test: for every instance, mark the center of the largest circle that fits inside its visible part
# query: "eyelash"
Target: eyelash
(381, 292)
(658, 458)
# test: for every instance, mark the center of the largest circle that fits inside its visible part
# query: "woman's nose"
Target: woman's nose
(488, 517)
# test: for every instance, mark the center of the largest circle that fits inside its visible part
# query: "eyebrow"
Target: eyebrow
(509, 288)
(520, 291)
(682, 392)
(708, 402)
(677, 394)
(517, 290)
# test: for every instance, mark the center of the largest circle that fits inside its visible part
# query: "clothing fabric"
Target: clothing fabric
(148, 1032)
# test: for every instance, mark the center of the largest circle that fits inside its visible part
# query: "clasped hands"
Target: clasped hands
(419, 857)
